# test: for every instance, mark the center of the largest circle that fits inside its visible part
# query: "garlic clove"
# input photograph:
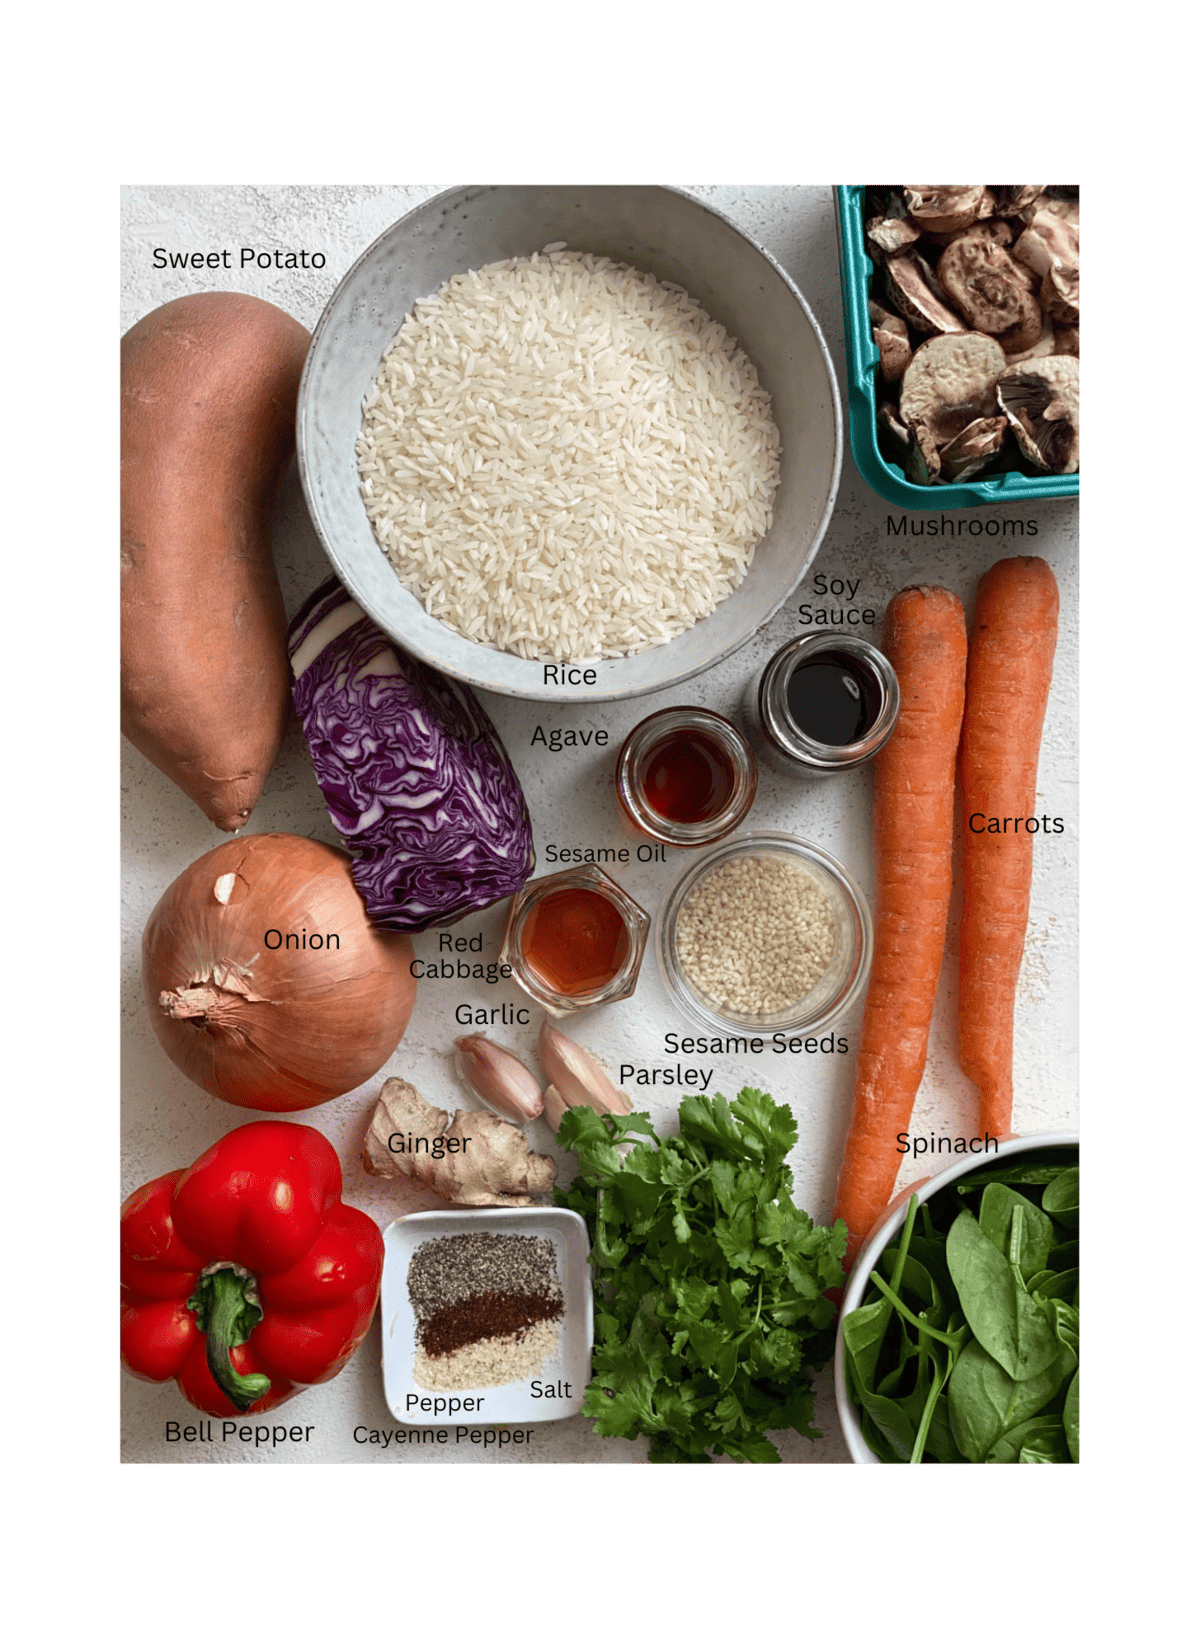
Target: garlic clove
(575, 1077)
(498, 1078)
(554, 1107)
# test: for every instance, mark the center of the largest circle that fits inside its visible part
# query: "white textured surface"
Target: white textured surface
(167, 1121)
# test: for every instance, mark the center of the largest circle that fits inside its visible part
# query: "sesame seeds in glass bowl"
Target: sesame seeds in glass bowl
(765, 933)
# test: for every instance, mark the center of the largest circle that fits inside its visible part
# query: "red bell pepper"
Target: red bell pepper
(245, 1275)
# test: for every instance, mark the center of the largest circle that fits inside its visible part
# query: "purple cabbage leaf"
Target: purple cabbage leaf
(412, 771)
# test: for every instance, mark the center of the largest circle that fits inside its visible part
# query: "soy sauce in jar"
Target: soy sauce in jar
(832, 699)
(825, 703)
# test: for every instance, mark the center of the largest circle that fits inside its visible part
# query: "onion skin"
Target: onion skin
(274, 1029)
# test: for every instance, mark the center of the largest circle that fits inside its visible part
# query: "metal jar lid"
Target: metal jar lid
(788, 740)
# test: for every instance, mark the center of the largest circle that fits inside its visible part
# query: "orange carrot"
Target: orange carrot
(925, 637)
(1009, 666)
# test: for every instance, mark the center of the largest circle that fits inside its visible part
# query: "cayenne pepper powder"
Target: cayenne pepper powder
(485, 1317)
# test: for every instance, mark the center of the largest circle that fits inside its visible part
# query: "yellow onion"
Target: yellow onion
(253, 1018)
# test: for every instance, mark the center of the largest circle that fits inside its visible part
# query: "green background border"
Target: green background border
(635, 94)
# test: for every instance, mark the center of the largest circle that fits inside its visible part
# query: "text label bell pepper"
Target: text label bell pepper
(245, 1276)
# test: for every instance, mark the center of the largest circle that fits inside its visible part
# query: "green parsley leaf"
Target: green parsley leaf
(711, 1315)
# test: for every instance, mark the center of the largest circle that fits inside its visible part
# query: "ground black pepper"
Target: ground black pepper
(449, 1269)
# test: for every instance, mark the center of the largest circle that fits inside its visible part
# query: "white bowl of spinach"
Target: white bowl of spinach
(958, 1341)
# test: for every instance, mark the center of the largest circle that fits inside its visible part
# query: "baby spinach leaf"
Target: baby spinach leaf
(1006, 1320)
(954, 1340)
(1036, 1442)
(941, 1362)
(1064, 1256)
(893, 1423)
(916, 1285)
(877, 1442)
(940, 1441)
(1064, 1319)
(1021, 1172)
(995, 1269)
(1047, 1450)
(1070, 1417)
(862, 1335)
(931, 1251)
(893, 1383)
(1058, 1285)
(997, 1209)
(985, 1401)
(1061, 1198)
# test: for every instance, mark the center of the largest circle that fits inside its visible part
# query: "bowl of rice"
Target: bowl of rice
(569, 443)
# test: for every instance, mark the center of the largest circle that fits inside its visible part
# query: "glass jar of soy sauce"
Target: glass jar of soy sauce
(825, 703)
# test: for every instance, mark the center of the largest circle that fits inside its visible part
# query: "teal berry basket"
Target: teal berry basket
(1011, 487)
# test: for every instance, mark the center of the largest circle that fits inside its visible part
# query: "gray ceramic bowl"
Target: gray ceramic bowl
(674, 237)
(881, 1236)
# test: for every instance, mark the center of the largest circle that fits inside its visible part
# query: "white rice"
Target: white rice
(565, 458)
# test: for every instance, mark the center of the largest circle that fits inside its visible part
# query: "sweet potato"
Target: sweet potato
(208, 406)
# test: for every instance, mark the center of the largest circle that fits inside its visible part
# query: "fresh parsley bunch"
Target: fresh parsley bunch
(711, 1315)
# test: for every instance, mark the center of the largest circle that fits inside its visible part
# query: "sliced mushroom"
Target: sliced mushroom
(890, 427)
(894, 355)
(887, 236)
(891, 339)
(1013, 198)
(884, 319)
(971, 451)
(1040, 399)
(1047, 239)
(1066, 340)
(982, 281)
(950, 383)
(910, 294)
(1059, 295)
(1044, 346)
(923, 462)
(1050, 248)
(943, 207)
(993, 229)
(928, 273)
(883, 200)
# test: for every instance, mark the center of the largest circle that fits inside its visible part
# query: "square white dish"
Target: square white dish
(567, 1370)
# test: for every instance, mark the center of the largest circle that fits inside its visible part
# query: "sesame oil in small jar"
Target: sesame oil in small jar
(575, 940)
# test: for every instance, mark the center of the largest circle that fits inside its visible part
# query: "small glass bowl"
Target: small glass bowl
(631, 793)
(843, 981)
(637, 930)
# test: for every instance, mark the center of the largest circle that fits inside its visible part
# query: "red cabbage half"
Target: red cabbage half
(413, 772)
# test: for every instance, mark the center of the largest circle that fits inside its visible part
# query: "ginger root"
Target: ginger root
(487, 1162)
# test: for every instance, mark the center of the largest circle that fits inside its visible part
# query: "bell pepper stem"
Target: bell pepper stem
(223, 1311)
